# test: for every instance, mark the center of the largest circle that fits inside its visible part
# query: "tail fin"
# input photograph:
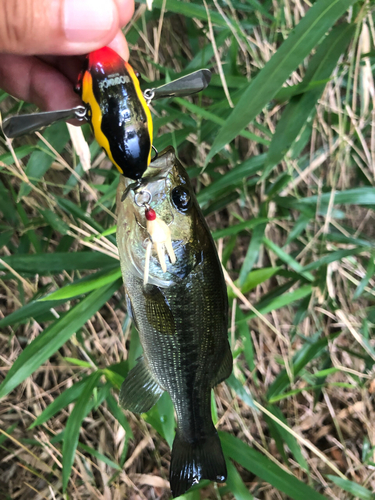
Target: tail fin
(192, 462)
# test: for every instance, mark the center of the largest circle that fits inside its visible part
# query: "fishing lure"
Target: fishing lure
(116, 109)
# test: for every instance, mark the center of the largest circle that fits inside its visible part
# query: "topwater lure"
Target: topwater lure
(116, 108)
(180, 309)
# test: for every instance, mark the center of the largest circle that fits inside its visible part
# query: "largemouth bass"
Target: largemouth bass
(181, 315)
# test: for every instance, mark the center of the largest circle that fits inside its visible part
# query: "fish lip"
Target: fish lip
(163, 164)
(158, 170)
(167, 156)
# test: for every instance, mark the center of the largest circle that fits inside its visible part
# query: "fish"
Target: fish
(117, 111)
(181, 314)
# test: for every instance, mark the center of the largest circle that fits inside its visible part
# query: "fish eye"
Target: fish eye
(181, 199)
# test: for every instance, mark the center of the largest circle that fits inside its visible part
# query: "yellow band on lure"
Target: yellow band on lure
(142, 100)
(96, 116)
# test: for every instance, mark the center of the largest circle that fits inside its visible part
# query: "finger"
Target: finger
(63, 27)
(69, 66)
(32, 80)
(119, 44)
(125, 10)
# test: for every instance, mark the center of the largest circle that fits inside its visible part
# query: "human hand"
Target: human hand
(42, 43)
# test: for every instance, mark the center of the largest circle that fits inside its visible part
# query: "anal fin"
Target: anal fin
(140, 390)
(225, 368)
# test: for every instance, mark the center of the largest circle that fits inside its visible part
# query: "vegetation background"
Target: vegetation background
(288, 127)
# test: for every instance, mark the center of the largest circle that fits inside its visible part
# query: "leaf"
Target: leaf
(9, 431)
(288, 259)
(289, 439)
(241, 390)
(232, 178)
(267, 470)
(84, 286)
(57, 262)
(78, 362)
(116, 373)
(309, 351)
(62, 401)
(99, 456)
(51, 339)
(28, 311)
(354, 488)
(41, 160)
(237, 228)
(166, 414)
(252, 252)
(364, 282)
(266, 306)
(357, 196)
(236, 485)
(54, 221)
(20, 153)
(207, 115)
(118, 413)
(333, 257)
(317, 21)
(247, 342)
(73, 427)
(286, 93)
(189, 10)
(255, 278)
(300, 108)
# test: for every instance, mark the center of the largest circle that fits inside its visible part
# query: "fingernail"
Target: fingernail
(87, 20)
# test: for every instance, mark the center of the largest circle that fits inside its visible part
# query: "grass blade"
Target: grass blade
(267, 470)
(319, 18)
(99, 456)
(300, 107)
(62, 401)
(308, 352)
(57, 262)
(40, 161)
(351, 487)
(235, 483)
(48, 342)
(73, 427)
(84, 286)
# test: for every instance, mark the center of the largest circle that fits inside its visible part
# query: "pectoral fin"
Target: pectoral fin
(129, 308)
(158, 312)
(140, 390)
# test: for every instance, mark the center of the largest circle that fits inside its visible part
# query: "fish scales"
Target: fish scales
(181, 316)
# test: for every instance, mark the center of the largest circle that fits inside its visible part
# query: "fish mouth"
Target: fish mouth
(156, 173)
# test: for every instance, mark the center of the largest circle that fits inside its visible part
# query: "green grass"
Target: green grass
(286, 179)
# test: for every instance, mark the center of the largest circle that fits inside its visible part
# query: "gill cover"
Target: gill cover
(117, 111)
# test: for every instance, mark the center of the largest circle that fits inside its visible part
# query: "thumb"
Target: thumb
(63, 27)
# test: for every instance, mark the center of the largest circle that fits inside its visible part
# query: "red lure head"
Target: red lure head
(104, 60)
(117, 111)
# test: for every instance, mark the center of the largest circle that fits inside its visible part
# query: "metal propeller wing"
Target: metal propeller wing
(16, 126)
(186, 85)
